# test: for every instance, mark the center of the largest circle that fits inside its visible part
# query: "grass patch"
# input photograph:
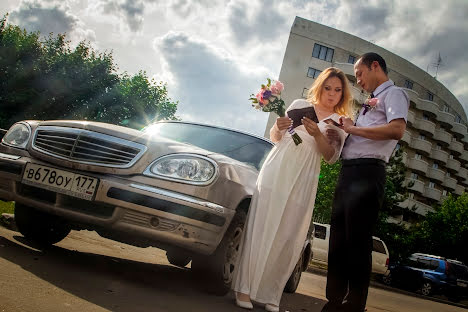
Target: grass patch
(7, 207)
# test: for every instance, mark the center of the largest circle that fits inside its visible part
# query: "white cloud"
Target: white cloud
(211, 86)
(215, 53)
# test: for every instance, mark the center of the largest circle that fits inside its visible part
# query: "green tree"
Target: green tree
(325, 191)
(47, 79)
(445, 231)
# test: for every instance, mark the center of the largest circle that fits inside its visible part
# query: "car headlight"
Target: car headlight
(18, 135)
(189, 168)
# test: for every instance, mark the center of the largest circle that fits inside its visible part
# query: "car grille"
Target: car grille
(86, 146)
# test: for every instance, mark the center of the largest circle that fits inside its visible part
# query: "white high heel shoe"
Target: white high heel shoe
(271, 308)
(244, 304)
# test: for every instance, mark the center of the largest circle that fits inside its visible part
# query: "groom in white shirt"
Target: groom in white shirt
(359, 192)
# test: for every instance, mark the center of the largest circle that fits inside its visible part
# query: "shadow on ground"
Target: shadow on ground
(120, 284)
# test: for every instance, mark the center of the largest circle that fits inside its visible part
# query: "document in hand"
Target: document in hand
(297, 114)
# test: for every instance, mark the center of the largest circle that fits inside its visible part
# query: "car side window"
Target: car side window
(378, 246)
(320, 231)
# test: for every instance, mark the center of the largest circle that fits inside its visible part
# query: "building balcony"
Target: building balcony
(453, 165)
(418, 165)
(425, 126)
(464, 156)
(446, 119)
(418, 207)
(450, 182)
(459, 189)
(347, 68)
(413, 95)
(456, 147)
(417, 186)
(436, 174)
(459, 130)
(439, 155)
(404, 158)
(406, 138)
(432, 193)
(428, 107)
(411, 117)
(465, 140)
(421, 145)
(442, 136)
(462, 174)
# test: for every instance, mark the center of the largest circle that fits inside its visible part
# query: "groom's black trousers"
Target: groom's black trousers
(358, 197)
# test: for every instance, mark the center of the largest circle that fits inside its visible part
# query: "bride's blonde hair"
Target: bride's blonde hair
(344, 105)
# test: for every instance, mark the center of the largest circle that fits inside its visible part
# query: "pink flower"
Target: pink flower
(373, 102)
(278, 86)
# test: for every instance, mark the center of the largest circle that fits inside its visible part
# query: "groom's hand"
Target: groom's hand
(347, 123)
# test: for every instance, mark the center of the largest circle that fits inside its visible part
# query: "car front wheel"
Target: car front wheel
(219, 267)
(40, 227)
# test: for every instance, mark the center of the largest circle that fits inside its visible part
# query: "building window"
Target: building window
(448, 174)
(458, 118)
(446, 109)
(408, 84)
(414, 175)
(397, 147)
(431, 185)
(313, 73)
(422, 136)
(305, 92)
(410, 195)
(425, 117)
(451, 156)
(430, 96)
(323, 53)
(435, 165)
(351, 59)
(438, 147)
(417, 156)
(444, 192)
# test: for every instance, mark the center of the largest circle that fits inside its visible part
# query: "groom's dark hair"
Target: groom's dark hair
(368, 58)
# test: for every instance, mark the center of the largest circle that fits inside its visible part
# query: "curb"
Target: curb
(374, 283)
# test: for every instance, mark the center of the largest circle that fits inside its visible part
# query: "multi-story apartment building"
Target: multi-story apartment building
(436, 139)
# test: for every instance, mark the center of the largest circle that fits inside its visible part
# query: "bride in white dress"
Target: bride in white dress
(281, 209)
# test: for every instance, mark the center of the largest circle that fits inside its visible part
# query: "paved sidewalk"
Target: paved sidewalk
(321, 270)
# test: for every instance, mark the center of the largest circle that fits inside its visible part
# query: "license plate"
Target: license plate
(60, 181)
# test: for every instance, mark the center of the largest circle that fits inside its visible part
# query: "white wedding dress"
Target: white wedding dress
(280, 213)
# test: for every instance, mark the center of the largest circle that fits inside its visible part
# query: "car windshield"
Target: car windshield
(239, 146)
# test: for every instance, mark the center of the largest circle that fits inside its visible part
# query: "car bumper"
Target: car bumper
(144, 214)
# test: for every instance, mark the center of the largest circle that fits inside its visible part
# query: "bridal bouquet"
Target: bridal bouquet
(268, 99)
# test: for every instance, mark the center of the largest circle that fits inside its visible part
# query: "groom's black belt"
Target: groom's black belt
(363, 161)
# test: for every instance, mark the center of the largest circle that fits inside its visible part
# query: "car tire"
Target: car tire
(178, 258)
(426, 288)
(218, 268)
(387, 279)
(40, 227)
(295, 277)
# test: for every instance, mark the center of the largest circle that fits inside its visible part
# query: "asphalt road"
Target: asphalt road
(85, 272)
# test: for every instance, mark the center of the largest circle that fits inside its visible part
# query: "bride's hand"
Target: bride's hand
(283, 123)
(310, 126)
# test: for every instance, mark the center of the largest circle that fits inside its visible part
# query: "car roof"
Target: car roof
(419, 254)
(218, 127)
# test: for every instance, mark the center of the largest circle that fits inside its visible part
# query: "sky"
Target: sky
(213, 54)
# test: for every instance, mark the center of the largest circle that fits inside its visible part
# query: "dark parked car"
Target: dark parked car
(182, 187)
(429, 274)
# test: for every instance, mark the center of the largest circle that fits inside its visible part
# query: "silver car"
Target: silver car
(183, 187)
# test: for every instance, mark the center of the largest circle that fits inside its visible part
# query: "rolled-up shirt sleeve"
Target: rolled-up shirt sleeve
(396, 104)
